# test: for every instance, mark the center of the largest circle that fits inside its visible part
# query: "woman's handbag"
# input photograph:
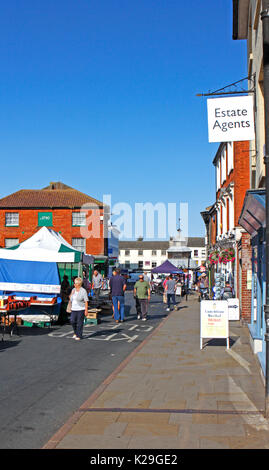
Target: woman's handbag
(69, 307)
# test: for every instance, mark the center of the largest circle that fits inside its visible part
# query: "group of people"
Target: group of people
(118, 286)
(78, 297)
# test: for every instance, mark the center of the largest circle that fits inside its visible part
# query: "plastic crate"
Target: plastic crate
(94, 321)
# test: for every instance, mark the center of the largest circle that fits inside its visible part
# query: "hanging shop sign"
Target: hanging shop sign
(230, 119)
(214, 320)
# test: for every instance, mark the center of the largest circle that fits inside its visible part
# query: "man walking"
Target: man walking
(170, 289)
(142, 294)
(97, 281)
(117, 285)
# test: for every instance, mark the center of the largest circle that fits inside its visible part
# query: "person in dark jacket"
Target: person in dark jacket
(117, 285)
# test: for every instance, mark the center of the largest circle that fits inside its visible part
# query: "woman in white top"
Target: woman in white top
(79, 308)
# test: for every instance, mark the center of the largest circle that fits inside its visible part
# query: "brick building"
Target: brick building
(79, 218)
(222, 219)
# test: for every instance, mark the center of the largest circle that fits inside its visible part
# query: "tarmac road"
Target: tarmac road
(46, 375)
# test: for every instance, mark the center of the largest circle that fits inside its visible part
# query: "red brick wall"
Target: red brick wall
(241, 176)
(245, 254)
(62, 222)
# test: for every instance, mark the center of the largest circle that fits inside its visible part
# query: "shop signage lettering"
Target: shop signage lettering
(214, 320)
(230, 119)
(45, 219)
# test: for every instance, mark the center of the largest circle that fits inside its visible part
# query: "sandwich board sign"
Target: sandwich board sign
(233, 309)
(214, 320)
(230, 119)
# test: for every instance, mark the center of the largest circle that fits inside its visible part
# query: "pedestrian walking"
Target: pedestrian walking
(97, 281)
(117, 284)
(170, 289)
(79, 308)
(137, 306)
(142, 293)
(164, 290)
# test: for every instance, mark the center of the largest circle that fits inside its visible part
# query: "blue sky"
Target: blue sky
(101, 94)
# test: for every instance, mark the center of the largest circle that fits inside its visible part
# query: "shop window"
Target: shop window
(10, 242)
(140, 264)
(12, 219)
(78, 219)
(79, 244)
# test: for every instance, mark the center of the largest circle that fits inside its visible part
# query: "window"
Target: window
(12, 219)
(163, 252)
(127, 264)
(127, 252)
(79, 219)
(140, 252)
(154, 253)
(230, 157)
(195, 253)
(9, 242)
(79, 244)
(153, 264)
(140, 264)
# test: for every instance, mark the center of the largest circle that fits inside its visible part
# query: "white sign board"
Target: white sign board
(230, 119)
(43, 288)
(214, 320)
(233, 309)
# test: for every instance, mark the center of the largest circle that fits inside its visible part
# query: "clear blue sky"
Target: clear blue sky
(100, 94)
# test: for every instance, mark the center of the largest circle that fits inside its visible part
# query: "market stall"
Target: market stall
(45, 246)
(34, 284)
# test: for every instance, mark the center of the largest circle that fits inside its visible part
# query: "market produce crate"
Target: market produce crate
(27, 323)
(5, 321)
(92, 316)
(41, 324)
(93, 321)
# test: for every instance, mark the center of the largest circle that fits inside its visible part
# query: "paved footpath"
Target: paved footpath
(169, 394)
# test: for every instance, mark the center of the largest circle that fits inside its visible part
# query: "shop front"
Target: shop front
(252, 219)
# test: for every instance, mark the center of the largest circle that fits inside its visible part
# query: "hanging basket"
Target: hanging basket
(214, 257)
(227, 255)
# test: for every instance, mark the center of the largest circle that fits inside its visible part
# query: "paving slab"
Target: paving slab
(172, 395)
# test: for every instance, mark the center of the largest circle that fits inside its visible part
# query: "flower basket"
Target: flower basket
(214, 257)
(227, 255)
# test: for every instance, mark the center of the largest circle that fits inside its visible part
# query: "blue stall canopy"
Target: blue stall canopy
(29, 277)
(252, 216)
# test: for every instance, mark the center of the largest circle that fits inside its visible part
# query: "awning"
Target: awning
(166, 268)
(252, 216)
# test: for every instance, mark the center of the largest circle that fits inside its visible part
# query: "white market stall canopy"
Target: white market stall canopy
(45, 245)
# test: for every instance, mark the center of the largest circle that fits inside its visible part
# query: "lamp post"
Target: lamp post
(265, 25)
